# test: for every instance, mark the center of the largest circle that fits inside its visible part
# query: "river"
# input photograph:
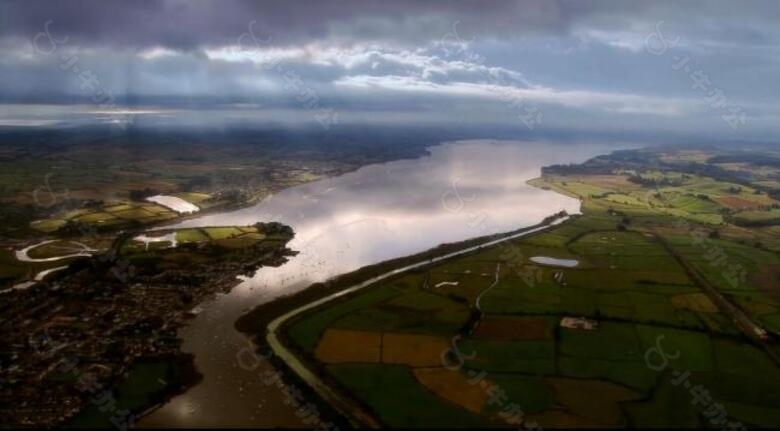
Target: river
(379, 212)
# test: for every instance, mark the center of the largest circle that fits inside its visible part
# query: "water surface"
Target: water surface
(553, 261)
(376, 213)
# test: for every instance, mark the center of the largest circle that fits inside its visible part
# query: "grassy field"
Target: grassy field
(626, 280)
(45, 172)
(219, 240)
(618, 283)
(13, 271)
(397, 398)
(767, 217)
(111, 215)
(145, 380)
(146, 383)
(225, 237)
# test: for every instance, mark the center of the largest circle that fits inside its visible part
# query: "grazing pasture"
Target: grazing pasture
(637, 277)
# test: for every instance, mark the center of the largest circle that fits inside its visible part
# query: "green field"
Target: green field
(111, 215)
(618, 283)
(226, 237)
(627, 280)
(146, 383)
(216, 233)
(191, 235)
(767, 217)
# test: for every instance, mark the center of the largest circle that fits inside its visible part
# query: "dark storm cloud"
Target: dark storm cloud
(584, 63)
(188, 25)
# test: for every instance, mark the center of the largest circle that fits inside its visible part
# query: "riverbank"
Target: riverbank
(271, 319)
(377, 214)
(120, 328)
(256, 321)
(147, 386)
(277, 177)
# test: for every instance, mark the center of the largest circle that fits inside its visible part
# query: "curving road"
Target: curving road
(22, 256)
(352, 411)
(495, 281)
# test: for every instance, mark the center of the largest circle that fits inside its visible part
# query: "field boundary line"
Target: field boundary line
(354, 413)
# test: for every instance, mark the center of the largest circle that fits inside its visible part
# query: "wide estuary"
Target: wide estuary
(461, 190)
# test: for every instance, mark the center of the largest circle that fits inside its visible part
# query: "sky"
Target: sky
(700, 68)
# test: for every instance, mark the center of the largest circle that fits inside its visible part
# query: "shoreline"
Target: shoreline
(264, 325)
(188, 376)
(273, 190)
(253, 323)
(226, 285)
(35, 238)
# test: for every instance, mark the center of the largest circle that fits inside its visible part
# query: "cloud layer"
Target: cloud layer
(566, 64)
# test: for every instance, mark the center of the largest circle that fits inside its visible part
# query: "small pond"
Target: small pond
(552, 261)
